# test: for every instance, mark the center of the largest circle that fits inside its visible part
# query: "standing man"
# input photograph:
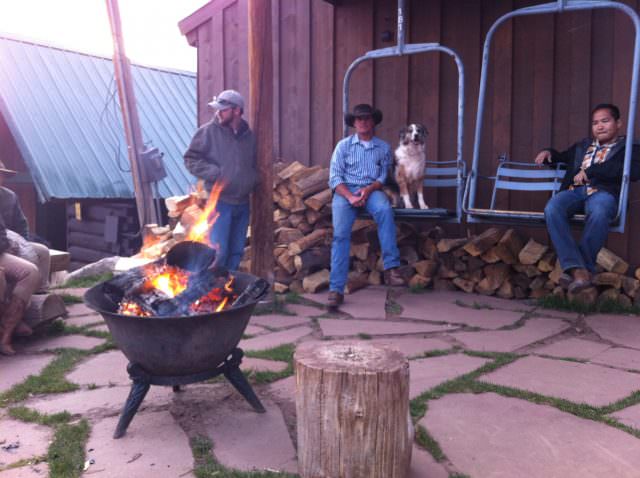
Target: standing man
(25, 275)
(224, 150)
(357, 172)
(591, 186)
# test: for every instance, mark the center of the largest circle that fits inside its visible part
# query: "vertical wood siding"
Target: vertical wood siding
(547, 73)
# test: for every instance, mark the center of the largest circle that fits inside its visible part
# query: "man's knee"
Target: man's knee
(552, 209)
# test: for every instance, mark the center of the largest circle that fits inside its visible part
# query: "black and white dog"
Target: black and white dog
(410, 158)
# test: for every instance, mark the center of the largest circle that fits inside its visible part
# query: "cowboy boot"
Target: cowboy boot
(11, 318)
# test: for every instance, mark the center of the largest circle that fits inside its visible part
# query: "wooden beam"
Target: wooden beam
(261, 108)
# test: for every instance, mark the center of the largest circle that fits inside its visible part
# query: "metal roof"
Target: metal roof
(63, 110)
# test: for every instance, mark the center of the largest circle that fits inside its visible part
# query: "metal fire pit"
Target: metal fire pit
(176, 351)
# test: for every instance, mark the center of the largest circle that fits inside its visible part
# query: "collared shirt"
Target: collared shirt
(355, 164)
(596, 154)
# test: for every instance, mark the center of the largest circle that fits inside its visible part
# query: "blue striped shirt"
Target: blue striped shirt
(355, 164)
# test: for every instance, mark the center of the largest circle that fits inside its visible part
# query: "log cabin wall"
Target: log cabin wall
(548, 71)
(100, 228)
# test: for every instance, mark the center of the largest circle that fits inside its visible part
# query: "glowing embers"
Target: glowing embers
(169, 291)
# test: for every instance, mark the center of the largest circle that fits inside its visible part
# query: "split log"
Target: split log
(356, 281)
(491, 256)
(506, 290)
(528, 269)
(426, 268)
(587, 296)
(547, 263)
(319, 200)
(375, 278)
(532, 252)
(495, 275)
(315, 238)
(290, 170)
(610, 279)
(509, 246)
(418, 281)
(446, 245)
(630, 286)
(3, 285)
(313, 259)
(280, 288)
(286, 262)
(312, 216)
(307, 184)
(483, 242)
(286, 235)
(361, 251)
(316, 281)
(465, 285)
(611, 262)
(44, 308)
(370, 423)
(296, 219)
(609, 295)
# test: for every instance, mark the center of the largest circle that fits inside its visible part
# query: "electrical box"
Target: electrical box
(153, 165)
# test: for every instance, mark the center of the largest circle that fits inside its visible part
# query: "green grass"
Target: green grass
(206, 466)
(604, 307)
(417, 289)
(283, 353)
(86, 281)
(70, 299)
(50, 380)
(33, 416)
(364, 336)
(277, 306)
(427, 442)
(393, 308)
(66, 454)
(475, 305)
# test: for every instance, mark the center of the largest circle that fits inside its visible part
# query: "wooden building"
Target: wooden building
(548, 72)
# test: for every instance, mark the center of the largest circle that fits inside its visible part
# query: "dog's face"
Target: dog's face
(414, 133)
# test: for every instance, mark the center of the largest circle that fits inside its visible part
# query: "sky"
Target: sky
(150, 27)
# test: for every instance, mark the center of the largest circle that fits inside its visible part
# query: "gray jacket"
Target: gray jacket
(11, 217)
(216, 153)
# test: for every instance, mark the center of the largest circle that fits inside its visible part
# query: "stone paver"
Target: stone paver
(30, 440)
(478, 300)
(100, 328)
(76, 291)
(418, 306)
(40, 470)
(412, 347)
(367, 303)
(284, 389)
(341, 327)
(558, 314)
(153, 446)
(254, 330)
(78, 310)
(273, 321)
(82, 320)
(619, 329)
(572, 348)
(17, 368)
(532, 331)
(262, 365)
(305, 310)
(274, 339)
(62, 342)
(246, 440)
(630, 416)
(109, 368)
(424, 466)
(573, 381)
(100, 401)
(428, 372)
(619, 357)
(489, 436)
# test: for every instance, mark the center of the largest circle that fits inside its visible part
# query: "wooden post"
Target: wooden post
(352, 405)
(142, 187)
(261, 106)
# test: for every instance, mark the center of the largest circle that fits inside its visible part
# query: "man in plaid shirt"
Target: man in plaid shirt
(591, 186)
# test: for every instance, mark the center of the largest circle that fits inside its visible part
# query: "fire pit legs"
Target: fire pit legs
(142, 381)
(139, 388)
(238, 380)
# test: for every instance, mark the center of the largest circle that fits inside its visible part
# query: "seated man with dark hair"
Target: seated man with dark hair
(591, 186)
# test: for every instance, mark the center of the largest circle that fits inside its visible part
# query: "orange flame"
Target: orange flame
(222, 304)
(172, 282)
(199, 231)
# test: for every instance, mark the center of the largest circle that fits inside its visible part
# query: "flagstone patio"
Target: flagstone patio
(501, 388)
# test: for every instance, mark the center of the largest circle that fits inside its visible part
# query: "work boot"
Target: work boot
(10, 320)
(394, 278)
(335, 299)
(581, 280)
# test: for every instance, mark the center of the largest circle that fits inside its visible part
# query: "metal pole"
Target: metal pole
(400, 26)
(142, 188)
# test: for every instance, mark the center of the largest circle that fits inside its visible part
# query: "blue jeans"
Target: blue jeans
(229, 234)
(600, 209)
(343, 217)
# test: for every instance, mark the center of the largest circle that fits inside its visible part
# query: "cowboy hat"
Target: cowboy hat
(363, 110)
(5, 171)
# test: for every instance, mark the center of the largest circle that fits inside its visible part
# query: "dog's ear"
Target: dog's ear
(402, 132)
(422, 129)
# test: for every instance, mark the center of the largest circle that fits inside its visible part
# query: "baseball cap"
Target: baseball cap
(227, 99)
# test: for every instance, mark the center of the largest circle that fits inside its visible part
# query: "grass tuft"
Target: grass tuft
(66, 454)
(604, 307)
(282, 353)
(30, 415)
(427, 442)
(83, 282)
(70, 299)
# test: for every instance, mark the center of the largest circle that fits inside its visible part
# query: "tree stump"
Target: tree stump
(352, 403)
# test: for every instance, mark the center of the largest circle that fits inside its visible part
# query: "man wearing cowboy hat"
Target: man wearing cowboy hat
(357, 173)
(224, 151)
(24, 274)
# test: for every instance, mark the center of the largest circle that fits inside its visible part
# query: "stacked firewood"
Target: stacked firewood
(302, 222)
